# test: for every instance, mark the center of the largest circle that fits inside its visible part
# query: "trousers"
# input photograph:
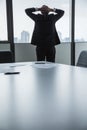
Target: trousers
(46, 53)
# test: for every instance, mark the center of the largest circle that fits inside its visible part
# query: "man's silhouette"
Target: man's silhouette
(45, 36)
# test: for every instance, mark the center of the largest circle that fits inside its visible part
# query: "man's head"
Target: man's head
(44, 10)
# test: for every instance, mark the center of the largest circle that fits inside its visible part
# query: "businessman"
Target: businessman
(45, 36)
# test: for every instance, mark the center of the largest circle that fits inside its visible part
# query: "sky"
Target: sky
(28, 24)
(3, 27)
(23, 22)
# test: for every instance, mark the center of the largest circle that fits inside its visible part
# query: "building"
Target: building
(24, 37)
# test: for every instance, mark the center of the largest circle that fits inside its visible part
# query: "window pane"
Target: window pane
(81, 21)
(3, 20)
(23, 25)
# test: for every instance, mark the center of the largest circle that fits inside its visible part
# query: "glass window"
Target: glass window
(23, 25)
(3, 21)
(81, 21)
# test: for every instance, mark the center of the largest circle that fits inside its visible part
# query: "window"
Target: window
(23, 25)
(3, 21)
(81, 21)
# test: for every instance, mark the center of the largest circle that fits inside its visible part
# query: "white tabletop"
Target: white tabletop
(43, 97)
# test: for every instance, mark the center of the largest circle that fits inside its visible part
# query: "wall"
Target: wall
(26, 52)
(4, 47)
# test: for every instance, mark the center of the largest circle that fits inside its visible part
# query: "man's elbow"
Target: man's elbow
(26, 11)
(62, 13)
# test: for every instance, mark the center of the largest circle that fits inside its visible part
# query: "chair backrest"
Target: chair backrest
(5, 56)
(82, 60)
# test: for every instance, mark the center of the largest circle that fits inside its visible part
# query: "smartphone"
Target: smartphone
(9, 73)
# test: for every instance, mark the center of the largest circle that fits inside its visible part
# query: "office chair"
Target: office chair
(5, 56)
(82, 60)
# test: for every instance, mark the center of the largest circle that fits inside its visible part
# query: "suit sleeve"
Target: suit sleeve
(59, 14)
(29, 12)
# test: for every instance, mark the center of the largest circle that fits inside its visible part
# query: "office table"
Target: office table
(43, 97)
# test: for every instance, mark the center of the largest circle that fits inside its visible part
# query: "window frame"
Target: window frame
(9, 13)
(9, 10)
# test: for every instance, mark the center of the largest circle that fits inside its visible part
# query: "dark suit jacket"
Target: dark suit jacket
(44, 33)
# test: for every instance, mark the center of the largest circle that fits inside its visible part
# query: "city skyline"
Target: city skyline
(25, 38)
(23, 22)
(63, 25)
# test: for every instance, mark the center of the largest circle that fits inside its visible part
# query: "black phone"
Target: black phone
(8, 73)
